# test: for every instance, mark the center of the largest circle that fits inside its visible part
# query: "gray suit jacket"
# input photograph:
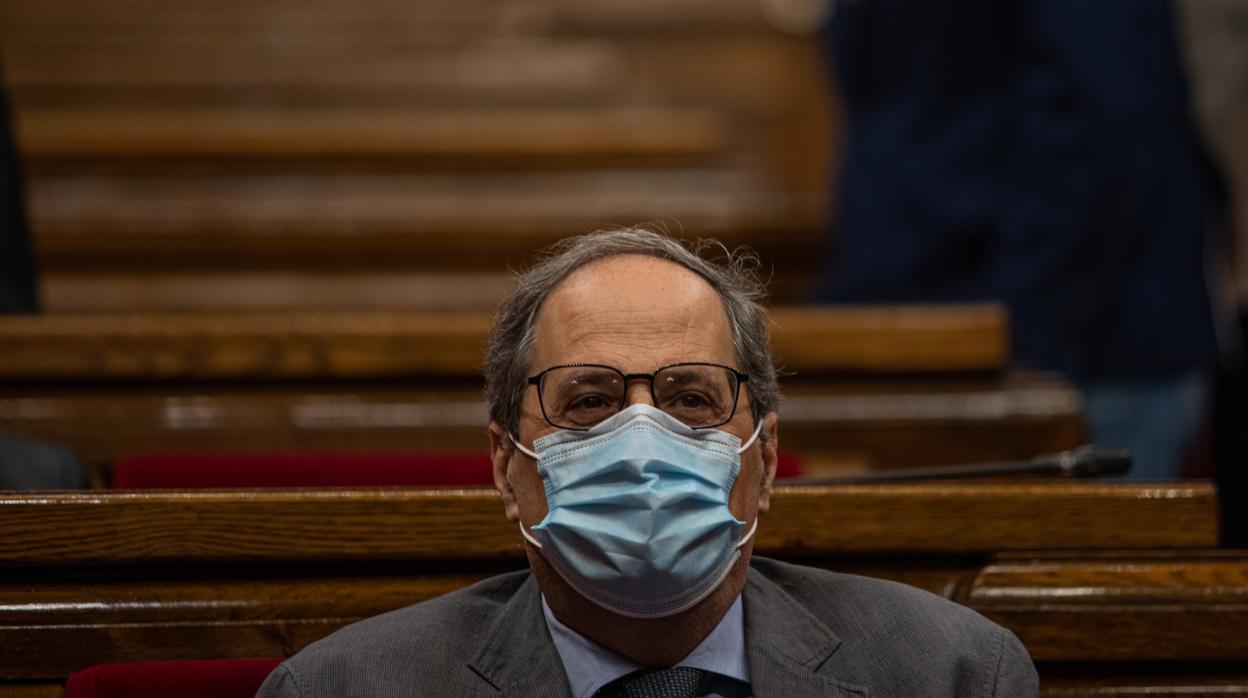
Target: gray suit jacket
(808, 633)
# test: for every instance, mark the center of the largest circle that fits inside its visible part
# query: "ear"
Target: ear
(501, 450)
(770, 449)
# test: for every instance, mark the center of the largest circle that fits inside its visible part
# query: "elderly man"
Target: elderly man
(633, 434)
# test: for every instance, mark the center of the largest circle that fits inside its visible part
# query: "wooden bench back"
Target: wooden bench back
(866, 387)
(381, 155)
(1101, 582)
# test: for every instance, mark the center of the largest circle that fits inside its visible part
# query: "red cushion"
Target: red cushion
(159, 470)
(788, 465)
(204, 678)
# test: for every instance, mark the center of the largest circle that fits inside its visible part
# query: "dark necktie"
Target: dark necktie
(676, 682)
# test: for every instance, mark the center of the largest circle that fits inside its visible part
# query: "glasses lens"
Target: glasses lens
(699, 396)
(579, 397)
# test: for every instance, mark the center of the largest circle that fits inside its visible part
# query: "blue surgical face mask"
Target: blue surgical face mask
(638, 518)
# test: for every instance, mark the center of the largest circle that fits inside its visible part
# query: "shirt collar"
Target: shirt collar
(590, 666)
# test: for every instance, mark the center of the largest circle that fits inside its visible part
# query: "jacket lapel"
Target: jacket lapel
(787, 647)
(518, 657)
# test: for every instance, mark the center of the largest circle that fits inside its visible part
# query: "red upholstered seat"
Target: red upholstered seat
(168, 470)
(788, 465)
(206, 678)
(164, 470)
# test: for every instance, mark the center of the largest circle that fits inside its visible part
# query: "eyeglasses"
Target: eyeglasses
(700, 395)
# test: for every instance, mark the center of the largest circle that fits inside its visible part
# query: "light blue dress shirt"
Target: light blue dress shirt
(590, 666)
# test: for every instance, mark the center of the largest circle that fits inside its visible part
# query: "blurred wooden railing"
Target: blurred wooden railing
(865, 387)
(228, 154)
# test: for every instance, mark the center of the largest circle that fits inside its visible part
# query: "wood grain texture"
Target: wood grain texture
(346, 217)
(248, 526)
(31, 690)
(968, 337)
(532, 134)
(543, 72)
(50, 628)
(263, 345)
(260, 290)
(1146, 686)
(399, 137)
(142, 576)
(113, 384)
(1121, 607)
(53, 625)
(340, 344)
(105, 421)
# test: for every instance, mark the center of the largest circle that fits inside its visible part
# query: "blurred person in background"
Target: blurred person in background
(1215, 33)
(1040, 153)
(17, 264)
(25, 464)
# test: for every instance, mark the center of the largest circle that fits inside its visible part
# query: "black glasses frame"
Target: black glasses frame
(742, 378)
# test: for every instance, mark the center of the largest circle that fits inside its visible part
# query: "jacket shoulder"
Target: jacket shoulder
(900, 640)
(421, 649)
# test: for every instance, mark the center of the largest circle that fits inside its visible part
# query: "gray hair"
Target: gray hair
(734, 277)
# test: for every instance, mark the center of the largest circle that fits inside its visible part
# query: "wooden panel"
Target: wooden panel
(110, 384)
(512, 71)
(54, 624)
(102, 426)
(50, 628)
(92, 135)
(171, 150)
(32, 690)
(139, 576)
(1121, 607)
(886, 338)
(321, 345)
(316, 525)
(69, 292)
(103, 423)
(216, 346)
(353, 217)
(110, 424)
(1232, 683)
(897, 424)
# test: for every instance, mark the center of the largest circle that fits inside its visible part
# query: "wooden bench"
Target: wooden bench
(1113, 588)
(867, 387)
(388, 155)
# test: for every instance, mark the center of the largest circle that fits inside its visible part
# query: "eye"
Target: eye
(590, 402)
(691, 400)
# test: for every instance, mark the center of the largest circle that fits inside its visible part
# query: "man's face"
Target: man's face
(637, 314)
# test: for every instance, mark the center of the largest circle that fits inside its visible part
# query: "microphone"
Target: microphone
(1085, 462)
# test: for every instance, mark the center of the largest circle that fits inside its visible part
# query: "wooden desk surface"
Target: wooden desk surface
(1114, 589)
(292, 526)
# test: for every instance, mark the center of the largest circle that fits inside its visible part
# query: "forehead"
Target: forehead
(633, 312)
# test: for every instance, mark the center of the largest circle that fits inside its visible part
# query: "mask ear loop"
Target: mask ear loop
(521, 447)
(749, 442)
(744, 539)
(534, 456)
(530, 538)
